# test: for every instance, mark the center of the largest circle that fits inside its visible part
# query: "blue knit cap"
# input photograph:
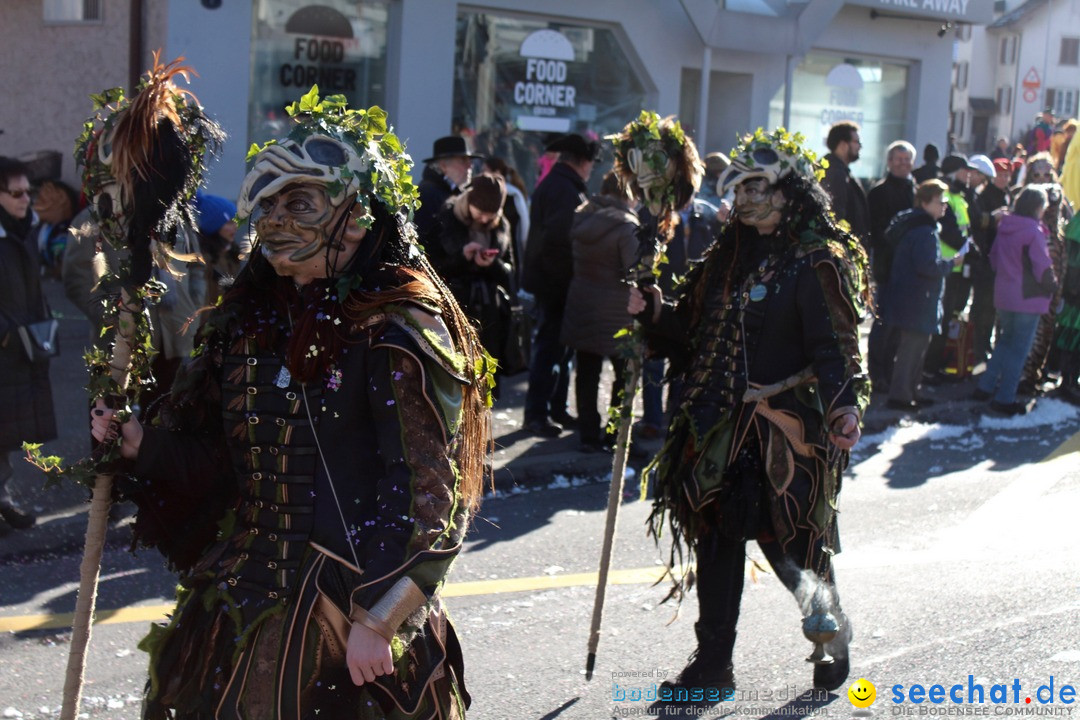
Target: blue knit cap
(214, 212)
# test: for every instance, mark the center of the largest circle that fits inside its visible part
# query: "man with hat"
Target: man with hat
(447, 171)
(548, 266)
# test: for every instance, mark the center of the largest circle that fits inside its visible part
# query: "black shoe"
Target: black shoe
(565, 419)
(5, 529)
(830, 677)
(16, 517)
(1010, 409)
(906, 405)
(543, 428)
(706, 673)
(981, 395)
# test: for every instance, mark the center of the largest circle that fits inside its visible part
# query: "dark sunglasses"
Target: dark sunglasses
(16, 193)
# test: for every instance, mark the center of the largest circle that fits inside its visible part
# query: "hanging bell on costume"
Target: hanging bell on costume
(819, 628)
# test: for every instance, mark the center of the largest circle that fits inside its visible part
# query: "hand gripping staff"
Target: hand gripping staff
(661, 165)
(142, 159)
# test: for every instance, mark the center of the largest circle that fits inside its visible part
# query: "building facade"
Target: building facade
(509, 74)
(1025, 60)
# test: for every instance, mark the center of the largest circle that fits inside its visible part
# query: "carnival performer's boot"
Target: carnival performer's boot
(710, 665)
(831, 676)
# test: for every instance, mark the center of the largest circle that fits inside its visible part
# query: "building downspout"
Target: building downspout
(135, 45)
(703, 100)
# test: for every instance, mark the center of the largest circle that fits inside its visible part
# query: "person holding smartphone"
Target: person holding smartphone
(470, 248)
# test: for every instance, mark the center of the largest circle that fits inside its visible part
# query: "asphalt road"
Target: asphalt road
(959, 560)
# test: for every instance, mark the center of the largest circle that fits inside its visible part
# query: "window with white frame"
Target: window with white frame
(1004, 100)
(1007, 50)
(71, 11)
(1070, 51)
(1062, 100)
(962, 75)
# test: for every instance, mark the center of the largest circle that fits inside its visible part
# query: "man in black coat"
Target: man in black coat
(447, 171)
(548, 266)
(892, 194)
(848, 198)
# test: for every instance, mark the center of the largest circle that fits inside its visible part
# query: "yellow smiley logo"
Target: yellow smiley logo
(862, 693)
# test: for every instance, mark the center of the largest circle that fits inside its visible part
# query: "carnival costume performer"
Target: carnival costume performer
(764, 339)
(315, 470)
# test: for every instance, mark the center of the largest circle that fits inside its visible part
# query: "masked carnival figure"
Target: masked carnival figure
(763, 340)
(315, 470)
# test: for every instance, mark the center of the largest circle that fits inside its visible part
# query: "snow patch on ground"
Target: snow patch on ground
(888, 444)
(1047, 411)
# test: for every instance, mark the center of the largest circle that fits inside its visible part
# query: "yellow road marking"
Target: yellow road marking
(157, 613)
(636, 576)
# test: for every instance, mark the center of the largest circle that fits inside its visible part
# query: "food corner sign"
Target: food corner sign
(973, 11)
(545, 100)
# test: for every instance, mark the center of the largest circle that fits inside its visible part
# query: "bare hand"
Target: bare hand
(368, 655)
(845, 431)
(636, 304)
(471, 250)
(104, 427)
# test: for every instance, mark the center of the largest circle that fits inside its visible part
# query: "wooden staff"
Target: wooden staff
(618, 478)
(96, 527)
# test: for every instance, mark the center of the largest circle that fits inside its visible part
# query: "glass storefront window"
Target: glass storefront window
(829, 87)
(519, 83)
(339, 45)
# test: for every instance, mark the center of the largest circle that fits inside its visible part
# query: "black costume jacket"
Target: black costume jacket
(342, 502)
(765, 371)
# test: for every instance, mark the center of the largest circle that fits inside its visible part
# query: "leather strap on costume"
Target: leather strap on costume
(755, 392)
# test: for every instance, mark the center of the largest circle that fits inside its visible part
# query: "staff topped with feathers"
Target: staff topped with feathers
(142, 160)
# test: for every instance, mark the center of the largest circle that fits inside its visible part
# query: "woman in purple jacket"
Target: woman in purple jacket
(1023, 286)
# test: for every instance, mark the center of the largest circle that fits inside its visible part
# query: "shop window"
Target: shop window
(828, 88)
(71, 11)
(1007, 50)
(519, 82)
(1004, 100)
(339, 45)
(1062, 101)
(1070, 51)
